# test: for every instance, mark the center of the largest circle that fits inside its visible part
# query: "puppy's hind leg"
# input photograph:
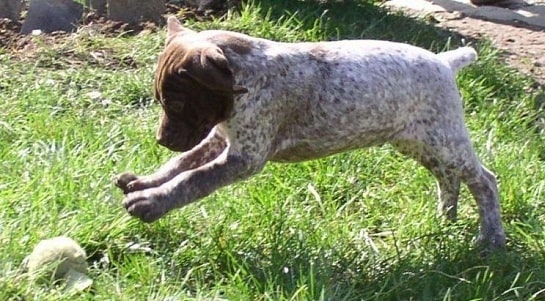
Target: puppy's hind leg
(445, 149)
(448, 180)
(483, 186)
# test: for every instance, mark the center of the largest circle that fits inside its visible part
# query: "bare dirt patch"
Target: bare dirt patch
(8, 32)
(56, 50)
(518, 33)
(12, 40)
(522, 46)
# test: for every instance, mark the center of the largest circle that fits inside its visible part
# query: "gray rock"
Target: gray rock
(10, 9)
(52, 15)
(133, 11)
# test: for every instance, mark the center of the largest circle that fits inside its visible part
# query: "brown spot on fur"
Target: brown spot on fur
(237, 44)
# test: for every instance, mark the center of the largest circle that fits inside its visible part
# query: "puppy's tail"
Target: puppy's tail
(458, 58)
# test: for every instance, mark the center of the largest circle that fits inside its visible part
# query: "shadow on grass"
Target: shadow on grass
(352, 19)
(441, 266)
(456, 274)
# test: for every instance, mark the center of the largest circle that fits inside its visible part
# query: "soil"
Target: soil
(522, 46)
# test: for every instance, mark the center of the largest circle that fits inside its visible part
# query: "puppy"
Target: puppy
(233, 102)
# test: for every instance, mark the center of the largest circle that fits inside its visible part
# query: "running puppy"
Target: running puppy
(232, 102)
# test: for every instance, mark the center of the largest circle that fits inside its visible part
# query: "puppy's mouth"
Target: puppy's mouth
(175, 147)
(183, 141)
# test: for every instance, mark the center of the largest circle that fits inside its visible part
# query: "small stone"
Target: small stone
(459, 15)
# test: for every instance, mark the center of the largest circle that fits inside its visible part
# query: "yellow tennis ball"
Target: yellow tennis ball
(55, 259)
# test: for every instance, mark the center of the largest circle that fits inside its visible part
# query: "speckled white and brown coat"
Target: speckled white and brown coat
(233, 102)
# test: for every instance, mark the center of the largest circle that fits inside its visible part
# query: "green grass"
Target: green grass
(355, 226)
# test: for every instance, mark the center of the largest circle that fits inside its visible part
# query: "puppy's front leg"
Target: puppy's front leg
(206, 151)
(189, 186)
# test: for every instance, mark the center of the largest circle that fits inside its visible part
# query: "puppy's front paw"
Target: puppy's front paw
(128, 182)
(147, 205)
(122, 181)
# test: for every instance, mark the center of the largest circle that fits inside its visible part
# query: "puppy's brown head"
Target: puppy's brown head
(195, 86)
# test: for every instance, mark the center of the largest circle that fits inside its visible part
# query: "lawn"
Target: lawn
(356, 226)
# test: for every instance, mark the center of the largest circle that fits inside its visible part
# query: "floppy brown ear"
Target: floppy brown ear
(175, 28)
(211, 68)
